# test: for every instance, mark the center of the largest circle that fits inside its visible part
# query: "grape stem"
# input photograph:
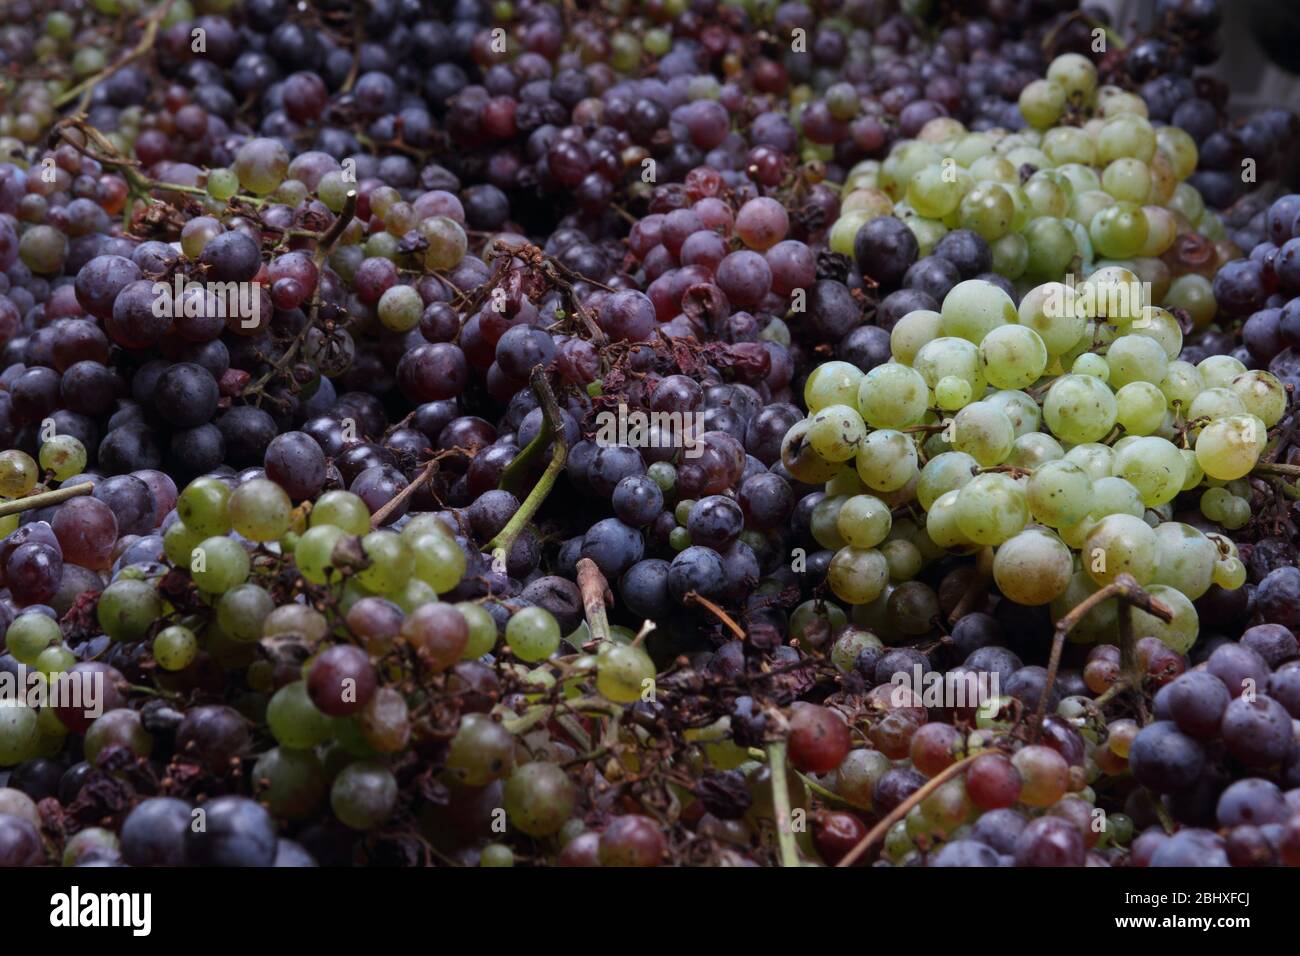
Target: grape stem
(1130, 595)
(595, 594)
(430, 469)
(553, 431)
(1274, 468)
(880, 829)
(45, 499)
(781, 803)
(86, 87)
(693, 597)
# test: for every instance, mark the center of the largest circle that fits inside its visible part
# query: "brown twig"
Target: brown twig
(693, 597)
(379, 517)
(595, 596)
(45, 499)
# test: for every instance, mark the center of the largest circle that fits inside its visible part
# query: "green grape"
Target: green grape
(1219, 371)
(342, 509)
(204, 506)
(1034, 449)
(1126, 135)
(1011, 252)
(1140, 408)
(1059, 493)
(1115, 495)
(1090, 363)
(1087, 205)
(1069, 146)
(1154, 467)
(851, 643)
(1118, 231)
(18, 473)
(481, 751)
(987, 210)
(1021, 410)
(836, 431)
(1128, 180)
(1230, 573)
(128, 608)
(219, 564)
(1013, 356)
(121, 727)
(1136, 358)
(858, 575)
(904, 559)
(952, 393)
(941, 524)
(1261, 394)
(1041, 103)
(1185, 558)
(1178, 634)
(314, 553)
(1229, 447)
(391, 562)
(974, 308)
(222, 183)
(179, 542)
(1074, 73)
(364, 794)
(1216, 403)
(948, 355)
(533, 634)
(1033, 567)
(1120, 543)
(1079, 408)
(400, 308)
(624, 672)
(995, 168)
(846, 482)
(935, 191)
(1049, 195)
(294, 720)
(886, 460)
(983, 431)
(260, 510)
(943, 473)
(824, 522)
(1237, 514)
(63, 456)
(19, 737)
(242, 612)
(30, 634)
(175, 648)
(482, 631)
(261, 165)
(1194, 295)
(891, 396)
(291, 782)
(55, 660)
(1054, 311)
(43, 249)
(863, 521)
(991, 508)
(1181, 384)
(912, 331)
(539, 798)
(832, 383)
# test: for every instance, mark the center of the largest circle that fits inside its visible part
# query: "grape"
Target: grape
(990, 508)
(259, 510)
(984, 432)
(1079, 409)
(886, 460)
(891, 396)
(1154, 467)
(1059, 493)
(1120, 543)
(975, 308)
(364, 794)
(1229, 448)
(1033, 567)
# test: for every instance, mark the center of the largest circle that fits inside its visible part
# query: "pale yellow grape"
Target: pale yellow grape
(1185, 558)
(1093, 457)
(1261, 394)
(858, 575)
(941, 524)
(1115, 294)
(892, 396)
(845, 231)
(1115, 495)
(1032, 568)
(1140, 408)
(1158, 324)
(944, 472)
(1054, 311)
(1013, 356)
(1195, 474)
(995, 168)
(1075, 74)
(974, 308)
(1090, 363)
(1034, 449)
(971, 147)
(1154, 467)
(1019, 408)
(1049, 197)
(1178, 634)
(991, 508)
(1181, 384)
(1069, 144)
(984, 432)
(949, 355)
(1218, 371)
(1041, 103)
(1126, 135)
(832, 383)
(952, 393)
(886, 460)
(864, 521)
(1230, 573)
(1059, 493)
(1127, 179)
(1162, 229)
(936, 190)
(1136, 358)
(1081, 175)
(905, 559)
(836, 431)
(1100, 624)
(1087, 205)
(913, 331)
(1079, 409)
(801, 460)
(1120, 543)
(1215, 403)
(1230, 447)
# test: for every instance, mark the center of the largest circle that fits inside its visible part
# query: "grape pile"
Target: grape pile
(629, 434)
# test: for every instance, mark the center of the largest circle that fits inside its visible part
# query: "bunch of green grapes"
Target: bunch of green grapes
(1053, 437)
(1051, 199)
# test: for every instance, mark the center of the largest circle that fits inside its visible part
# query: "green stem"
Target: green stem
(781, 804)
(45, 498)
